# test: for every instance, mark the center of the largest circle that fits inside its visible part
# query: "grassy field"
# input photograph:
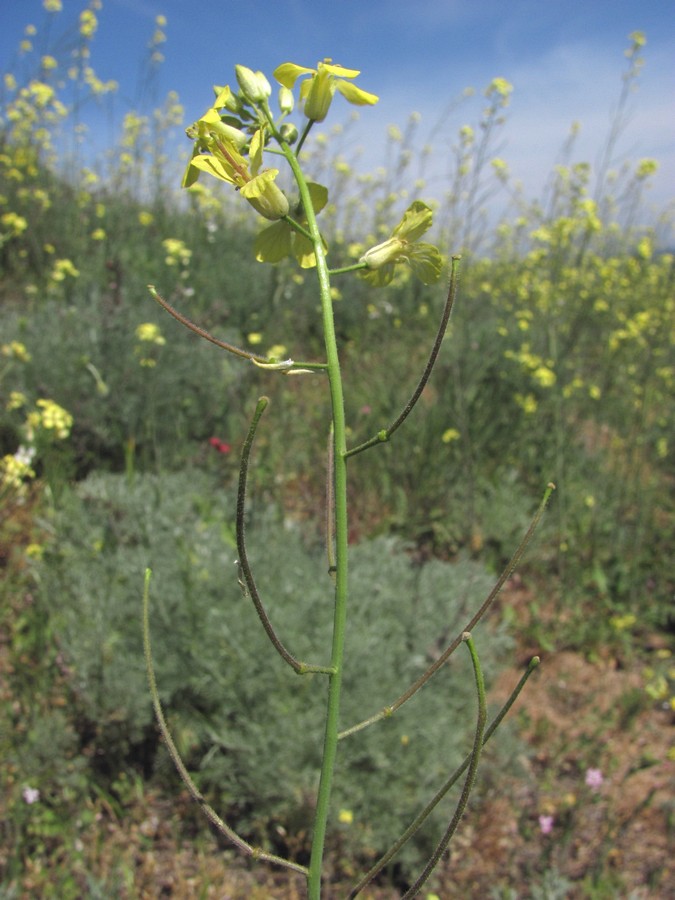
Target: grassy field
(120, 435)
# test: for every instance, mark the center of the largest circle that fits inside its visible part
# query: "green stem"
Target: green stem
(354, 267)
(341, 548)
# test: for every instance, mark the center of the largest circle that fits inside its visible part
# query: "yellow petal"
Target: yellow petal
(265, 196)
(416, 220)
(355, 95)
(213, 166)
(426, 262)
(274, 243)
(339, 71)
(288, 73)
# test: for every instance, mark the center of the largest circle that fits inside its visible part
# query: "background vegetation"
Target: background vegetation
(119, 433)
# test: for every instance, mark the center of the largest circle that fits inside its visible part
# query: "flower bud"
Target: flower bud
(286, 100)
(289, 132)
(381, 254)
(254, 85)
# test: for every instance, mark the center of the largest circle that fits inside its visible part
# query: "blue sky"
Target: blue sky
(565, 60)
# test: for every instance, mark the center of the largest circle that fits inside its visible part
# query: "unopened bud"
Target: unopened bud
(386, 252)
(289, 132)
(254, 85)
(286, 100)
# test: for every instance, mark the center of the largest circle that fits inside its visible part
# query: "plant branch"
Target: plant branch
(386, 433)
(450, 649)
(416, 824)
(300, 667)
(224, 345)
(470, 777)
(207, 809)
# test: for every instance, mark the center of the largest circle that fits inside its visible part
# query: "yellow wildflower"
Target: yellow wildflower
(317, 92)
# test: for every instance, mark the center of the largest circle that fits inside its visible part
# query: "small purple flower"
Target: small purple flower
(546, 824)
(594, 779)
(30, 795)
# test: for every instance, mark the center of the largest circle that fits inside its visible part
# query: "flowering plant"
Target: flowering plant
(230, 142)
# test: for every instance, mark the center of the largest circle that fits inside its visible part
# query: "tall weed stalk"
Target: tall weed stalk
(230, 143)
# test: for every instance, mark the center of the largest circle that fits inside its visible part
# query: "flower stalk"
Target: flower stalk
(230, 141)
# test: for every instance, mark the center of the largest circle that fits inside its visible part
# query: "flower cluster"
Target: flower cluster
(149, 335)
(47, 421)
(50, 417)
(229, 139)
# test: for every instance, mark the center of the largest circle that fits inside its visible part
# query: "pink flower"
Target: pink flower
(219, 445)
(594, 778)
(546, 824)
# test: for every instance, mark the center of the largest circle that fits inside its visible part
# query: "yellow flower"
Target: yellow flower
(88, 23)
(150, 333)
(63, 268)
(279, 240)
(16, 350)
(14, 223)
(346, 816)
(17, 399)
(13, 471)
(501, 87)
(544, 376)
(317, 92)
(450, 435)
(277, 352)
(621, 623)
(217, 151)
(527, 403)
(176, 252)
(55, 418)
(424, 259)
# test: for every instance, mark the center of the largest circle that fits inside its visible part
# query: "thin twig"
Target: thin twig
(416, 824)
(386, 433)
(300, 667)
(207, 809)
(470, 777)
(224, 345)
(450, 649)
